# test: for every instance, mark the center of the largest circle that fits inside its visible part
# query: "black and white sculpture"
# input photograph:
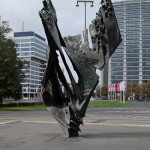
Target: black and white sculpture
(69, 109)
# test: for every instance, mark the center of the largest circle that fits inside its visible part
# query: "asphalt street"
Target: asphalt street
(105, 129)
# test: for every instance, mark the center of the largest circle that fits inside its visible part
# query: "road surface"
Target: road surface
(105, 129)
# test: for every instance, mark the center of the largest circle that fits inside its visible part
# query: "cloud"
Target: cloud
(70, 17)
(17, 11)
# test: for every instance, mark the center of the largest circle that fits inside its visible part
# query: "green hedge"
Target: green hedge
(21, 104)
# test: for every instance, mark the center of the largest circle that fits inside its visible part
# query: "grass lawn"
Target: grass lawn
(23, 108)
(93, 104)
(96, 104)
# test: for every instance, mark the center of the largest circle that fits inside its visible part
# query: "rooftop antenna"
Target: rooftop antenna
(23, 26)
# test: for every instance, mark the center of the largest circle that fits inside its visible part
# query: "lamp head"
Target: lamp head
(92, 5)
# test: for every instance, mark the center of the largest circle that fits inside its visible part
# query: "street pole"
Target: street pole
(131, 89)
(85, 15)
(123, 98)
(0, 20)
(84, 1)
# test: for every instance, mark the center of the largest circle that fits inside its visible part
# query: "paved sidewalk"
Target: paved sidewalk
(97, 134)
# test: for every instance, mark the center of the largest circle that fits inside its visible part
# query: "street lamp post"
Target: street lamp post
(85, 2)
(131, 90)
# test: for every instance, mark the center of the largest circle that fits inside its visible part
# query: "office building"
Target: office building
(131, 61)
(31, 48)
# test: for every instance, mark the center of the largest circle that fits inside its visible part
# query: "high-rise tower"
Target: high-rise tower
(32, 48)
(131, 61)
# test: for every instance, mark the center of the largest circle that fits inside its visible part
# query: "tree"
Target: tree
(104, 91)
(11, 74)
(146, 90)
(139, 91)
(132, 90)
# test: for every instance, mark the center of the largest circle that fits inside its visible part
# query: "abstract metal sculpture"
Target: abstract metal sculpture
(69, 109)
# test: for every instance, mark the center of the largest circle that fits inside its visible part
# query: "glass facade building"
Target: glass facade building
(32, 48)
(131, 61)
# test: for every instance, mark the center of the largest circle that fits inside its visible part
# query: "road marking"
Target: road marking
(26, 121)
(124, 117)
(8, 122)
(118, 125)
(88, 123)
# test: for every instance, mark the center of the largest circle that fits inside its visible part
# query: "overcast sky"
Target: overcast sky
(70, 17)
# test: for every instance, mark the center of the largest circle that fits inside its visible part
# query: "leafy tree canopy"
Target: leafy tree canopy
(10, 66)
(139, 91)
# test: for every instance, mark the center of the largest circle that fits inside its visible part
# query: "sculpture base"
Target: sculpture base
(73, 133)
(62, 117)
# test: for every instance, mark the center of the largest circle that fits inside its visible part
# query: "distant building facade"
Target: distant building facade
(33, 49)
(131, 61)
